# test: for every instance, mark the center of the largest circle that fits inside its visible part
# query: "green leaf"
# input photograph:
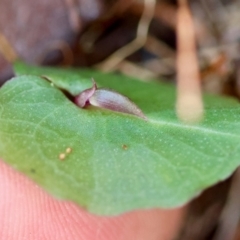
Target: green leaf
(118, 162)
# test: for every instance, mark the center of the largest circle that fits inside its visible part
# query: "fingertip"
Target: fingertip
(28, 212)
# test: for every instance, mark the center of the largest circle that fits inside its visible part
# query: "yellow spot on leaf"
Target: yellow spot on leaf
(62, 156)
(68, 150)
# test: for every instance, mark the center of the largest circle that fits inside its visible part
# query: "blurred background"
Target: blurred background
(94, 33)
(83, 33)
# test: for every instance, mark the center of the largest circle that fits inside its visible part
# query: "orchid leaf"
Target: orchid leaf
(111, 162)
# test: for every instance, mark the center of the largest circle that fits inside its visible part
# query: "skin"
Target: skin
(28, 212)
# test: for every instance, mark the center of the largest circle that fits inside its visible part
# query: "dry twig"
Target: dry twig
(142, 31)
(230, 215)
(89, 37)
(189, 100)
(7, 50)
(131, 69)
(73, 15)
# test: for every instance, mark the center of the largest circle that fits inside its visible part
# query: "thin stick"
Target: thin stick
(133, 70)
(230, 215)
(142, 31)
(73, 15)
(189, 105)
(7, 50)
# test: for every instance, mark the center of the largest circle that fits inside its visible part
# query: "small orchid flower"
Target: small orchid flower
(108, 99)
